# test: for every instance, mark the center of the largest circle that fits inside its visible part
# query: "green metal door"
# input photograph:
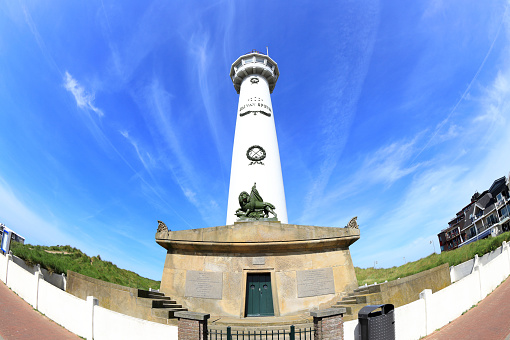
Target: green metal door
(259, 296)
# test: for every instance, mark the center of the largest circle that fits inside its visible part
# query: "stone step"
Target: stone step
(348, 308)
(167, 313)
(165, 304)
(368, 289)
(150, 294)
(362, 298)
(361, 291)
(351, 312)
(369, 299)
(150, 302)
(349, 300)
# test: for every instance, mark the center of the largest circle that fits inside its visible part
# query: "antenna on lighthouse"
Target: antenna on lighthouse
(267, 51)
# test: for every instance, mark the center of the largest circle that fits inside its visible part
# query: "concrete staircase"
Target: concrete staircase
(359, 298)
(161, 306)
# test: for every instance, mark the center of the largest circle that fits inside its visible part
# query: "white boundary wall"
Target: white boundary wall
(82, 317)
(433, 311)
(112, 325)
(412, 321)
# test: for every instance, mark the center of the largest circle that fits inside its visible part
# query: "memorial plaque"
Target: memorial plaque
(315, 282)
(205, 285)
(259, 261)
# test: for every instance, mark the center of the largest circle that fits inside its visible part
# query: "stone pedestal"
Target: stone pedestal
(328, 324)
(306, 267)
(192, 326)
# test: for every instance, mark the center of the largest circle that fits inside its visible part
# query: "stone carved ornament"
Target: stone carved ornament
(162, 226)
(353, 223)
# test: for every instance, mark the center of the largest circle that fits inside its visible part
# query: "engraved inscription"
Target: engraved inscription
(259, 260)
(205, 285)
(315, 282)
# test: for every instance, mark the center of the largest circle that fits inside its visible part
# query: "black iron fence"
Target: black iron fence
(271, 334)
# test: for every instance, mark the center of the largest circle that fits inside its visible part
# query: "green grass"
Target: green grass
(73, 259)
(69, 258)
(453, 258)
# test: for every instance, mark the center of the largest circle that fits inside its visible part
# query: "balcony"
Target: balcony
(477, 216)
(501, 202)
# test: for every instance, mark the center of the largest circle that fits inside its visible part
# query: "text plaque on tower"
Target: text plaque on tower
(205, 285)
(315, 282)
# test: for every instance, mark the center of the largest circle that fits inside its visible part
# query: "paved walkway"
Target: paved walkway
(20, 321)
(490, 319)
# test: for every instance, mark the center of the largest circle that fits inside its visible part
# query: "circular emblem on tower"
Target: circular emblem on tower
(256, 154)
(254, 80)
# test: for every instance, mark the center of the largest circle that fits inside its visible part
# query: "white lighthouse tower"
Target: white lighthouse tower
(255, 157)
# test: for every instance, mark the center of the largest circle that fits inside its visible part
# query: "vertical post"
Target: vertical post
(91, 302)
(8, 258)
(37, 277)
(426, 295)
(64, 282)
(192, 325)
(478, 268)
(328, 323)
(229, 333)
(292, 334)
(504, 249)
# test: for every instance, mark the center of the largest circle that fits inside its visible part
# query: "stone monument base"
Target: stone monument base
(257, 268)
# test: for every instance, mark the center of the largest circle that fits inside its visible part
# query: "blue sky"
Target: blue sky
(116, 114)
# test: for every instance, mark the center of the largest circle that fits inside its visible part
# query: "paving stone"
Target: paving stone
(21, 321)
(490, 319)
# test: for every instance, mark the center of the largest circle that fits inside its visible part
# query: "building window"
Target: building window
(505, 211)
(491, 220)
(472, 232)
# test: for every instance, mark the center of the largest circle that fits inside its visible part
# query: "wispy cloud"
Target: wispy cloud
(384, 166)
(464, 95)
(204, 58)
(185, 175)
(342, 94)
(388, 164)
(496, 106)
(40, 41)
(84, 99)
(145, 159)
(437, 192)
(17, 215)
(201, 52)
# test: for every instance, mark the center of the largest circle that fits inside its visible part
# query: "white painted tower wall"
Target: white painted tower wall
(254, 76)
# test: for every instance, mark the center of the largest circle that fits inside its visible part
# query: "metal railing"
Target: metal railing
(272, 334)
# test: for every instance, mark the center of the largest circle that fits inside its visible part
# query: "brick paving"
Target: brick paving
(490, 319)
(20, 321)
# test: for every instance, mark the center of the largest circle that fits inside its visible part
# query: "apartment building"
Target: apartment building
(486, 215)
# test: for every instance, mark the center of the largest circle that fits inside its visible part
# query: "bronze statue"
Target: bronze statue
(253, 206)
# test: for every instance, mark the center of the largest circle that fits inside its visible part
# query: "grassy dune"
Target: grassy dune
(60, 259)
(453, 258)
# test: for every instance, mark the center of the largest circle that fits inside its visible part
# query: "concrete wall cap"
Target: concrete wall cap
(192, 315)
(327, 312)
